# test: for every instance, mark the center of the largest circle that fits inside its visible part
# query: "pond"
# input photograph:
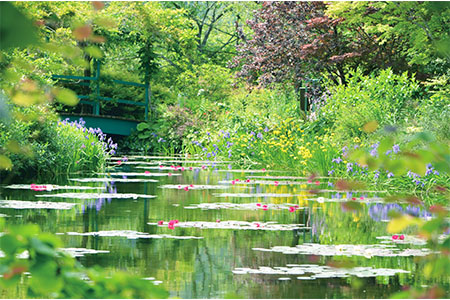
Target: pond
(204, 231)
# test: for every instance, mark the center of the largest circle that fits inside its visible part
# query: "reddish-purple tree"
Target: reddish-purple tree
(293, 40)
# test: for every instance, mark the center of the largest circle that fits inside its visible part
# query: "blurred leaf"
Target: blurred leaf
(98, 5)
(105, 22)
(9, 244)
(13, 146)
(24, 99)
(385, 145)
(65, 96)
(45, 280)
(16, 30)
(397, 225)
(432, 226)
(83, 32)
(438, 210)
(97, 39)
(349, 185)
(370, 126)
(5, 163)
(94, 51)
(42, 248)
(443, 47)
(351, 206)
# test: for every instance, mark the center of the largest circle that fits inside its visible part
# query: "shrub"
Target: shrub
(383, 98)
(40, 146)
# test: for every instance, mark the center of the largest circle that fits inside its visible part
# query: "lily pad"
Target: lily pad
(194, 187)
(96, 196)
(131, 234)
(317, 271)
(348, 250)
(53, 187)
(74, 252)
(109, 179)
(409, 239)
(256, 195)
(78, 252)
(262, 182)
(286, 177)
(139, 174)
(16, 204)
(247, 171)
(241, 206)
(237, 225)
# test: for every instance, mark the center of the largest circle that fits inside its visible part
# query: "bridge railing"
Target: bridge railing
(95, 94)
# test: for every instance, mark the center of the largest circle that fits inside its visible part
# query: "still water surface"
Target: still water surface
(262, 236)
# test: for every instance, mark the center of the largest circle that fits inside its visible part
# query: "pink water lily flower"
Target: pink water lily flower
(317, 182)
(169, 174)
(119, 162)
(258, 204)
(263, 169)
(186, 188)
(190, 168)
(291, 208)
(182, 168)
(395, 237)
(402, 237)
(248, 180)
(191, 185)
(160, 222)
(265, 207)
(233, 182)
(258, 225)
(161, 166)
(217, 221)
(276, 183)
(147, 172)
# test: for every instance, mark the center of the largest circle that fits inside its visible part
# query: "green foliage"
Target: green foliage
(205, 82)
(384, 98)
(38, 145)
(415, 32)
(55, 274)
(16, 29)
(168, 134)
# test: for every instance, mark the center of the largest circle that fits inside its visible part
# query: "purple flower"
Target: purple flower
(330, 184)
(266, 129)
(330, 172)
(337, 160)
(92, 143)
(377, 174)
(83, 146)
(396, 149)
(259, 135)
(349, 167)
(390, 174)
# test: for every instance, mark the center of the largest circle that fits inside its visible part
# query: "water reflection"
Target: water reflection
(202, 268)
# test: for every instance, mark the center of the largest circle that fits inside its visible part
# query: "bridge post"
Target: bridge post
(97, 89)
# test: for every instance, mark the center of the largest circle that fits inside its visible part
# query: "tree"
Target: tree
(293, 40)
(406, 36)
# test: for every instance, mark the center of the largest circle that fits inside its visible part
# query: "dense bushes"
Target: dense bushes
(384, 98)
(41, 146)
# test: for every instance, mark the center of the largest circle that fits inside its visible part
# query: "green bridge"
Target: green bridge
(109, 124)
